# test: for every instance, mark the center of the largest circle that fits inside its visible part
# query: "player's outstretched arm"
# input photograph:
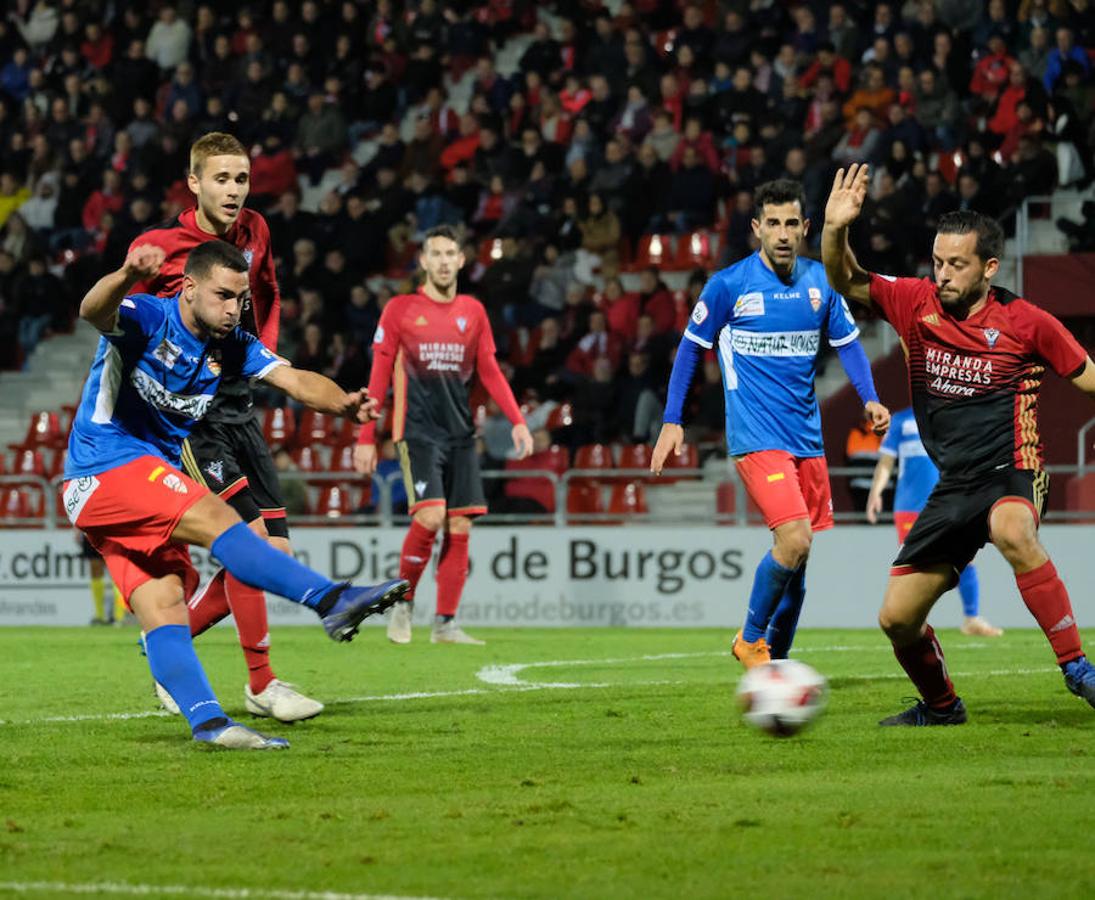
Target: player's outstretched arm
(100, 304)
(882, 471)
(321, 394)
(845, 204)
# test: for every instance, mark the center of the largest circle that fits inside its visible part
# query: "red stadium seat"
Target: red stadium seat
(315, 428)
(558, 460)
(490, 251)
(333, 502)
(561, 417)
(653, 250)
(628, 498)
(56, 465)
(44, 430)
(635, 456)
(695, 250)
(29, 462)
(593, 456)
(309, 459)
(689, 459)
(342, 460)
(583, 499)
(726, 501)
(343, 432)
(279, 426)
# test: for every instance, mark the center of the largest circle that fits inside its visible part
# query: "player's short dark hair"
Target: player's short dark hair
(990, 236)
(205, 256)
(782, 190)
(441, 231)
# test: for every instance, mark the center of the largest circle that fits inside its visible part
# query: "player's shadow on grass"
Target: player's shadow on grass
(1070, 716)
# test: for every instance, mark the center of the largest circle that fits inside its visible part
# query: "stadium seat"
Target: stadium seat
(726, 502)
(315, 428)
(343, 432)
(333, 502)
(308, 459)
(29, 462)
(628, 498)
(56, 465)
(559, 418)
(695, 250)
(279, 425)
(342, 459)
(583, 499)
(14, 504)
(653, 250)
(593, 456)
(689, 459)
(44, 430)
(558, 459)
(635, 456)
(490, 251)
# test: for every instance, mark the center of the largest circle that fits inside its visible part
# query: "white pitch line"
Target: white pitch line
(156, 890)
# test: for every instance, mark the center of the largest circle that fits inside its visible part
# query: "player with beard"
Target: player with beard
(976, 355)
(226, 450)
(428, 346)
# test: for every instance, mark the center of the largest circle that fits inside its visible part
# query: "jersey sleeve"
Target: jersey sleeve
(154, 237)
(896, 299)
(243, 353)
(840, 323)
(711, 312)
(139, 315)
(490, 374)
(385, 347)
(265, 296)
(1050, 340)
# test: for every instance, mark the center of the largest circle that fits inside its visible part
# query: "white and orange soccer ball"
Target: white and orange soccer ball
(782, 697)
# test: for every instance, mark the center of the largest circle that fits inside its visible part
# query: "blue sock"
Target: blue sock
(969, 589)
(781, 630)
(174, 664)
(253, 561)
(768, 586)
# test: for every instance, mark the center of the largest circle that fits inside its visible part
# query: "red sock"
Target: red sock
(452, 573)
(1045, 596)
(923, 662)
(208, 605)
(248, 607)
(417, 548)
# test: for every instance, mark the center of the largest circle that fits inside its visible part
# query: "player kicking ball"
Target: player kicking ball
(434, 341)
(226, 451)
(976, 356)
(916, 476)
(156, 372)
(766, 315)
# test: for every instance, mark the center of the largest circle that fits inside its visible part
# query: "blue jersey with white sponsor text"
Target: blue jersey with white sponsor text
(151, 381)
(916, 473)
(768, 335)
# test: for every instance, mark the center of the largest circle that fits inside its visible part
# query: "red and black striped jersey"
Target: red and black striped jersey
(428, 350)
(975, 380)
(261, 315)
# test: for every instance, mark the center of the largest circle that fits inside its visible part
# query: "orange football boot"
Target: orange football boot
(750, 655)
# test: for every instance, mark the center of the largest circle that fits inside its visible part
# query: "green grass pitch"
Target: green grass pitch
(597, 764)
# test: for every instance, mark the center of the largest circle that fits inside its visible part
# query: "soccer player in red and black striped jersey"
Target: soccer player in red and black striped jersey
(428, 346)
(976, 356)
(226, 450)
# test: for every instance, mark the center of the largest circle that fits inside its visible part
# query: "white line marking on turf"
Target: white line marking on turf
(154, 890)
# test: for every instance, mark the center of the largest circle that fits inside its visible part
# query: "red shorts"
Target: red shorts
(786, 488)
(903, 522)
(129, 514)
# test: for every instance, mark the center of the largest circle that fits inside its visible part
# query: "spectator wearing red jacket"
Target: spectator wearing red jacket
(828, 63)
(108, 198)
(699, 140)
(991, 73)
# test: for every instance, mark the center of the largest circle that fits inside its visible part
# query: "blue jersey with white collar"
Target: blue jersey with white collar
(916, 473)
(768, 335)
(151, 381)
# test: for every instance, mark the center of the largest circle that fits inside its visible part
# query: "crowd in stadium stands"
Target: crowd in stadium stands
(598, 184)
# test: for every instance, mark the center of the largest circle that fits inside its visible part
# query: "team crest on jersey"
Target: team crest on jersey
(378, 338)
(419, 488)
(173, 481)
(461, 323)
(699, 313)
(992, 335)
(815, 298)
(213, 362)
(249, 255)
(167, 353)
(751, 304)
(216, 469)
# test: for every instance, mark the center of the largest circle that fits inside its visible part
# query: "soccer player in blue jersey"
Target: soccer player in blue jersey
(766, 315)
(916, 476)
(159, 362)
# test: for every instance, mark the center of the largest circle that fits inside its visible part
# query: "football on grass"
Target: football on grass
(781, 697)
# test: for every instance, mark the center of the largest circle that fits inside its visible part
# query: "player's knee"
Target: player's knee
(1018, 543)
(432, 518)
(895, 626)
(793, 544)
(458, 525)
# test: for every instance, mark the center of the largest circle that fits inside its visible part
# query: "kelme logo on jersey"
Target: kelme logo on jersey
(815, 298)
(992, 335)
(699, 313)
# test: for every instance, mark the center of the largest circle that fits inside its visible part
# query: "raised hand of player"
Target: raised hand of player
(522, 441)
(847, 196)
(365, 459)
(670, 440)
(143, 262)
(879, 416)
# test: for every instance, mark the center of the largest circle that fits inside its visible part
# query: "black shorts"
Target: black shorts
(86, 550)
(954, 523)
(234, 462)
(442, 475)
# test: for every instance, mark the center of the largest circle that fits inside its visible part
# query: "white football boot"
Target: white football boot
(281, 701)
(451, 633)
(399, 622)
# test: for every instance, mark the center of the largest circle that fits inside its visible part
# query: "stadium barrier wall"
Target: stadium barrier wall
(632, 576)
